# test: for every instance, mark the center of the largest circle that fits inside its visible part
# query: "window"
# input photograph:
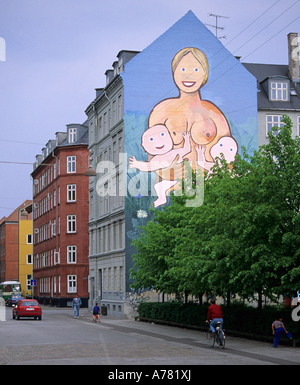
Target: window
(29, 259)
(71, 254)
(273, 121)
(56, 257)
(71, 224)
(114, 112)
(105, 128)
(54, 228)
(71, 193)
(71, 164)
(72, 283)
(29, 239)
(72, 135)
(28, 282)
(44, 260)
(119, 107)
(279, 91)
(100, 133)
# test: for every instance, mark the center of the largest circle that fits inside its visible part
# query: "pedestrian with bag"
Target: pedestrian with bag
(96, 313)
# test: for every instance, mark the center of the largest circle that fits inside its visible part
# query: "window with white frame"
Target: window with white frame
(71, 193)
(72, 283)
(29, 259)
(71, 254)
(71, 223)
(71, 164)
(29, 239)
(44, 260)
(54, 228)
(56, 256)
(273, 121)
(279, 91)
(72, 135)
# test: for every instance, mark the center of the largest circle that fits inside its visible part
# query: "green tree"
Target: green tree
(244, 238)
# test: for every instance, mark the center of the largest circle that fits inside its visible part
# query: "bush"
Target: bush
(238, 318)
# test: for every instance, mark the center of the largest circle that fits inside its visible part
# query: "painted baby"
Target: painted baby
(157, 142)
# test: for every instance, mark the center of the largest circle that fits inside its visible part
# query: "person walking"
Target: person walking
(278, 330)
(96, 313)
(76, 303)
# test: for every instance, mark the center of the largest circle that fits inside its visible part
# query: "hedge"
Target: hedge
(239, 318)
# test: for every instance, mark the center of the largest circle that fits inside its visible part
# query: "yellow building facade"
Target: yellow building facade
(25, 255)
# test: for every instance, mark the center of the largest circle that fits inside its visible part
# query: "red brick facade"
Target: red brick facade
(60, 223)
(9, 249)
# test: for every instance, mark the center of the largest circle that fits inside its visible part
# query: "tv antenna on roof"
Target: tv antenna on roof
(216, 26)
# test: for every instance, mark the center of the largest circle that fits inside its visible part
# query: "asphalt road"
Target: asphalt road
(59, 339)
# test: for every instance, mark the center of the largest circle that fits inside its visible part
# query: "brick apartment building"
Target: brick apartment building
(60, 218)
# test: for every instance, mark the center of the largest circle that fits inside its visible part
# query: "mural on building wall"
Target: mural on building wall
(185, 97)
(184, 127)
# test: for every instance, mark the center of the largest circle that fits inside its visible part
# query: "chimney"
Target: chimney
(293, 50)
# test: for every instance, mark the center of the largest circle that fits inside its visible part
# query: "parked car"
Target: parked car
(27, 308)
(13, 299)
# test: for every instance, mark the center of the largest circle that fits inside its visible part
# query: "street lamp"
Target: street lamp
(90, 172)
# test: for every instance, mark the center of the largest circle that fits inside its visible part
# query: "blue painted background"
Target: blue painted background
(148, 80)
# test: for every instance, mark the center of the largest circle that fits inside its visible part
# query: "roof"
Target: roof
(14, 216)
(262, 72)
(82, 139)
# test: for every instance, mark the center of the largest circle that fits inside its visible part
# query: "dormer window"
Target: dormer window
(279, 91)
(72, 135)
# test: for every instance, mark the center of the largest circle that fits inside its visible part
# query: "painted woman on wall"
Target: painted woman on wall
(185, 116)
(188, 112)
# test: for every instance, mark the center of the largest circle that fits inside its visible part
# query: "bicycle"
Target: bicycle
(217, 337)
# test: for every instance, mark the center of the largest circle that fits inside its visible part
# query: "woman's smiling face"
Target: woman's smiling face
(189, 74)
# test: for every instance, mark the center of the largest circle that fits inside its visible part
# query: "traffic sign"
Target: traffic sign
(33, 282)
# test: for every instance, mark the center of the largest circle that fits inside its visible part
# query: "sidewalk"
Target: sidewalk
(234, 345)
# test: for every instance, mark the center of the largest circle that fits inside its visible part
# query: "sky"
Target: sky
(54, 53)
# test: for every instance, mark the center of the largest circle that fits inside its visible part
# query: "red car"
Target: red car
(27, 308)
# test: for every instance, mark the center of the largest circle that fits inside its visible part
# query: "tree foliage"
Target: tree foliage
(244, 239)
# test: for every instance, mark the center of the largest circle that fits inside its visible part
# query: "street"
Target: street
(59, 339)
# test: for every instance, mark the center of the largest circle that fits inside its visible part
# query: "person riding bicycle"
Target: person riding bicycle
(214, 315)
